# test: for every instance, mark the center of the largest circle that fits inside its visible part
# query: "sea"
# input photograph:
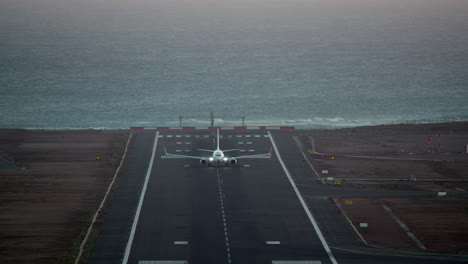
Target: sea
(112, 64)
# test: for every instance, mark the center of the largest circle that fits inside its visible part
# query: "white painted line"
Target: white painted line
(187, 150)
(251, 150)
(306, 159)
(178, 136)
(249, 143)
(460, 189)
(180, 242)
(162, 262)
(273, 242)
(304, 205)
(178, 143)
(85, 239)
(187, 136)
(265, 135)
(404, 226)
(169, 136)
(296, 262)
(238, 136)
(240, 143)
(160, 136)
(246, 165)
(349, 221)
(140, 203)
(242, 150)
(178, 150)
(247, 135)
(257, 136)
(186, 165)
(188, 143)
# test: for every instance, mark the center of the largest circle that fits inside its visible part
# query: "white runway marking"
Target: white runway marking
(169, 136)
(273, 242)
(226, 233)
(404, 226)
(178, 136)
(238, 136)
(240, 143)
(160, 136)
(247, 135)
(304, 205)
(251, 150)
(178, 143)
(257, 136)
(246, 165)
(187, 150)
(180, 242)
(242, 150)
(265, 135)
(187, 136)
(162, 262)
(187, 143)
(85, 239)
(178, 150)
(250, 143)
(140, 203)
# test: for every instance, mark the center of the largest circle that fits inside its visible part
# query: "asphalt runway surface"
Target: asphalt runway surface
(178, 211)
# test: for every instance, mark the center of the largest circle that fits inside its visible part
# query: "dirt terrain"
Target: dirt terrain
(401, 157)
(47, 203)
(393, 152)
(437, 222)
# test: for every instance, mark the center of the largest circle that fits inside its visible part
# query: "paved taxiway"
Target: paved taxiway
(175, 209)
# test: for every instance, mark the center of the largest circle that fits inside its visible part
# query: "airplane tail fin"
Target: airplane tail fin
(217, 139)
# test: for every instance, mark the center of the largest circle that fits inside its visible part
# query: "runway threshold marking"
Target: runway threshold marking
(180, 242)
(140, 202)
(273, 242)
(304, 205)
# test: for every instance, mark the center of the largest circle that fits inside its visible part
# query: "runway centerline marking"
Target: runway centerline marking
(226, 233)
(304, 205)
(140, 202)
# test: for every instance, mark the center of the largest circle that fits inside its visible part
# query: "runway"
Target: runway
(177, 210)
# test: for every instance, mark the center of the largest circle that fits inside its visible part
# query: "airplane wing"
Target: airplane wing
(258, 156)
(176, 156)
(207, 150)
(255, 156)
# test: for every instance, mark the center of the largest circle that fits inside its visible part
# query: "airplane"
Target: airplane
(218, 158)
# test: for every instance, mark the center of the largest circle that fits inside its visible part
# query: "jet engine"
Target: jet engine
(203, 162)
(232, 162)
